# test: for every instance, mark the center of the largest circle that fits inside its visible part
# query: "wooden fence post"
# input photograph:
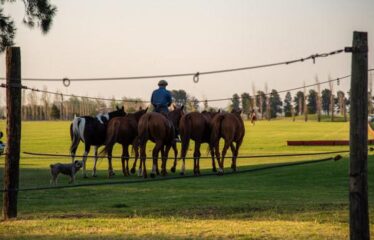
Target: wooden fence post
(13, 101)
(358, 186)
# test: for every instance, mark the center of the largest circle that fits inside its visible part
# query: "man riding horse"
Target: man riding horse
(161, 99)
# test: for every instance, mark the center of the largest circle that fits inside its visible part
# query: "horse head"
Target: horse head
(119, 112)
(237, 113)
(175, 116)
(140, 113)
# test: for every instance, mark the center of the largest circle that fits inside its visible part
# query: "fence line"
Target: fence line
(239, 157)
(266, 167)
(3, 85)
(66, 81)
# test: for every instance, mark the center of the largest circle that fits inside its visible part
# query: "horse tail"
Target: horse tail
(75, 133)
(111, 137)
(144, 133)
(186, 132)
(216, 129)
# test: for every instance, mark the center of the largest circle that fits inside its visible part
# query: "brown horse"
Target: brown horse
(123, 130)
(160, 129)
(196, 126)
(230, 127)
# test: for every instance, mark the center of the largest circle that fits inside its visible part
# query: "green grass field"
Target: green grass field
(295, 202)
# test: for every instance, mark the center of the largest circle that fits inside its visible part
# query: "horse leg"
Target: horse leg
(158, 147)
(174, 146)
(233, 151)
(234, 167)
(95, 162)
(164, 160)
(142, 168)
(224, 151)
(211, 149)
(185, 143)
(125, 160)
(110, 166)
(216, 150)
(86, 151)
(196, 156)
(136, 151)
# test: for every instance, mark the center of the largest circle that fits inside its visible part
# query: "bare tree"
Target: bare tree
(319, 100)
(331, 85)
(305, 105)
(267, 96)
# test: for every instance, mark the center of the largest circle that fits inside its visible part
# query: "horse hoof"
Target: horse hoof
(214, 170)
(182, 173)
(153, 175)
(94, 175)
(172, 169)
(111, 174)
(132, 170)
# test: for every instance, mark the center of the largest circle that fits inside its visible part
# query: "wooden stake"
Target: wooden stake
(13, 100)
(358, 187)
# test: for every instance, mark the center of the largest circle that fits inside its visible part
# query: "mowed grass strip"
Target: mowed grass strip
(296, 202)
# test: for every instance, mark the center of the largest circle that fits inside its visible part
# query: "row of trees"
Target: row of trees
(302, 103)
(43, 106)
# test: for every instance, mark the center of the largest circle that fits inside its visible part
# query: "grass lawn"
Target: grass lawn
(296, 202)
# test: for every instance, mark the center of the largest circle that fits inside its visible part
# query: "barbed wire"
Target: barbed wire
(66, 81)
(106, 183)
(4, 85)
(190, 158)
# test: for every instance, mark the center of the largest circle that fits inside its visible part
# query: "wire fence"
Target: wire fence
(338, 79)
(139, 181)
(66, 81)
(191, 158)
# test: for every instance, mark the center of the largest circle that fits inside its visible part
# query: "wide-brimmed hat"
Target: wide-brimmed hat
(162, 83)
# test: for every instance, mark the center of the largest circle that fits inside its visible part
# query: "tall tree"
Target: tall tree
(261, 102)
(332, 101)
(235, 101)
(38, 13)
(312, 101)
(275, 104)
(326, 97)
(298, 100)
(246, 104)
(180, 97)
(319, 100)
(288, 105)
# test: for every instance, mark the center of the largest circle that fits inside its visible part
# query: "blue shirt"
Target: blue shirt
(161, 99)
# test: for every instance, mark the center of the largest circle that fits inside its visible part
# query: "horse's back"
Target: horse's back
(228, 126)
(194, 125)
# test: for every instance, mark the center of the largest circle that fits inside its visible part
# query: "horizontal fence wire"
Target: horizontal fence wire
(3, 85)
(128, 182)
(189, 158)
(195, 75)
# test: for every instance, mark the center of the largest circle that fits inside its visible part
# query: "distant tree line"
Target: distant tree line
(268, 106)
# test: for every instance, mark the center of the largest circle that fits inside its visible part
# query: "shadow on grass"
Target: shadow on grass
(311, 190)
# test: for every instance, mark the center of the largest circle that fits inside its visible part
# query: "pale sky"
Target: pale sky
(91, 38)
